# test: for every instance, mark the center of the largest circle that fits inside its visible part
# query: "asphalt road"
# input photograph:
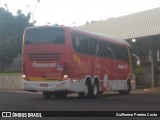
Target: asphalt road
(137, 100)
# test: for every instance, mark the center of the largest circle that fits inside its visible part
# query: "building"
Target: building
(142, 31)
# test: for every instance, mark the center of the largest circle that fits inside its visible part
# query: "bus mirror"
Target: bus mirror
(136, 60)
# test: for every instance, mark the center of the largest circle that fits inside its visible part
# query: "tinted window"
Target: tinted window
(123, 53)
(102, 49)
(44, 35)
(84, 44)
(80, 42)
(76, 42)
(92, 46)
(110, 50)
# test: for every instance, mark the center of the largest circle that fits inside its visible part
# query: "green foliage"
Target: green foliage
(11, 74)
(11, 34)
(139, 70)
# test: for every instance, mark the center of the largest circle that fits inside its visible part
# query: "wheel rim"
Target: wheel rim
(86, 90)
(95, 89)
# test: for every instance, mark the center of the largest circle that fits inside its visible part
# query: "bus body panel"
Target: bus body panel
(45, 74)
(45, 64)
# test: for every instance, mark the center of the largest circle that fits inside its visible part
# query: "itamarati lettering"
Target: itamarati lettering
(43, 65)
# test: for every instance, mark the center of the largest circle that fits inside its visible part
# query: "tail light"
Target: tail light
(24, 72)
(65, 77)
(25, 77)
(65, 72)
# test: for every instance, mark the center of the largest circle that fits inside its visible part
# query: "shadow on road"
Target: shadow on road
(75, 97)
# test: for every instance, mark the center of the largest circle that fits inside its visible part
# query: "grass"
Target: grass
(10, 73)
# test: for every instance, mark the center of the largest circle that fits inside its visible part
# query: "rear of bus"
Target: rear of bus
(44, 65)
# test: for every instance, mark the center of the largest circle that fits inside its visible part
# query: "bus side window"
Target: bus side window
(76, 42)
(92, 46)
(102, 49)
(110, 52)
(84, 44)
(126, 55)
(116, 49)
(123, 55)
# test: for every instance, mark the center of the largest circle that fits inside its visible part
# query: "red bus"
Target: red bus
(59, 60)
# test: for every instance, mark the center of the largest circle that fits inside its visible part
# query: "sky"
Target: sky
(77, 12)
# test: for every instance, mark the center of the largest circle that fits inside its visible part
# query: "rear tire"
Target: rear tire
(47, 95)
(95, 89)
(87, 90)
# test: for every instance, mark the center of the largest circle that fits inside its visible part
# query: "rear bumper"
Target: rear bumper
(47, 86)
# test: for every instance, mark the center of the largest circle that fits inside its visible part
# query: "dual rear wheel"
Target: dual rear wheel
(90, 91)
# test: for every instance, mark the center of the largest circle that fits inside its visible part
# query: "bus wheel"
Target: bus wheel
(95, 89)
(87, 90)
(47, 95)
(124, 92)
(60, 94)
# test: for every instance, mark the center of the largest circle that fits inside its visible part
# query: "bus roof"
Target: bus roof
(97, 35)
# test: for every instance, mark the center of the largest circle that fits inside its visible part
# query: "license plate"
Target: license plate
(43, 85)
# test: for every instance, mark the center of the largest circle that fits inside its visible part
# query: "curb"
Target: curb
(148, 88)
(142, 87)
(153, 89)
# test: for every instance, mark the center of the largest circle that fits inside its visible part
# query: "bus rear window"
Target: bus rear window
(48, 35)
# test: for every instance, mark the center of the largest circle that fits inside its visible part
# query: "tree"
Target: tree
(11, 34)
